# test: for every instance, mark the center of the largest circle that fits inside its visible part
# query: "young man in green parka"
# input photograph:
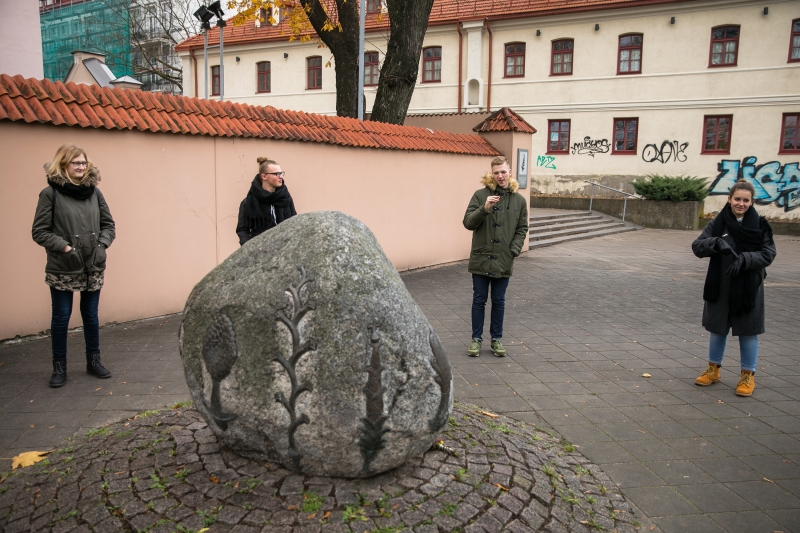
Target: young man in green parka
(498, 217)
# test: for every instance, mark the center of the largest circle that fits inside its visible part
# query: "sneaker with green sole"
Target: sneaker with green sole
(474, 348)
(497, 348)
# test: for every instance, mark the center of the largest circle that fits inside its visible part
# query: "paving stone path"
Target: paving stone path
(162, 472)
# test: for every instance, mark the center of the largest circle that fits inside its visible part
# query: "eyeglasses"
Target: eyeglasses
(78, 163)
(279, 174)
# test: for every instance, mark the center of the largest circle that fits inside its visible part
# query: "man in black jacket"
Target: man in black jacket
(268, 203)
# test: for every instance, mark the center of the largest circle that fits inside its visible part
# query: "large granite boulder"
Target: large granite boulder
(305, 347)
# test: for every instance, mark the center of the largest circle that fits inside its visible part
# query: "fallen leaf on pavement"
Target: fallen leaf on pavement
(652, 528)
(765, 479)
(326, 515)
(27, 459)
(489, 414)
(311, 517)
(501, 487)
(293, 507)
(213, 479)
(646, 375)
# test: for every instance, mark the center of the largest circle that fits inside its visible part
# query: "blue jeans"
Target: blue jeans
(62, 310)
(748, 346)
(480, 292)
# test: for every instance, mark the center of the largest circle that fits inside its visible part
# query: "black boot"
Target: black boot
(94, 367)
(59, 376)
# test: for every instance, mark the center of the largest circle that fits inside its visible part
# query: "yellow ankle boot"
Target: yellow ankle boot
(746, 384)
(711, 375)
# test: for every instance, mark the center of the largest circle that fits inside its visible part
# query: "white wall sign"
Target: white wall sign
(522, 168)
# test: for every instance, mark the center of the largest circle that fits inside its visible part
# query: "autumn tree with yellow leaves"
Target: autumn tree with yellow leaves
(336, 24)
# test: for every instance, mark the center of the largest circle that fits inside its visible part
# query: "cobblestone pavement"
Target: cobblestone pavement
(165, 472)
(584, 321)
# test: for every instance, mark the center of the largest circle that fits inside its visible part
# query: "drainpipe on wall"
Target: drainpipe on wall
(460, 55)
(194, 61)
(489, 83)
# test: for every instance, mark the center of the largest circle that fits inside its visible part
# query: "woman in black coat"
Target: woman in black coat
(268, 203)
(740, 246)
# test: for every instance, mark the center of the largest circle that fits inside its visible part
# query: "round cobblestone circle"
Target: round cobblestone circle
(163, 472)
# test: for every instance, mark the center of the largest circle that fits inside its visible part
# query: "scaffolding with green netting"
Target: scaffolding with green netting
(98, 26)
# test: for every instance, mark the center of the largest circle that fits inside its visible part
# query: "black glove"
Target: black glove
(736, 267)
(721, 246)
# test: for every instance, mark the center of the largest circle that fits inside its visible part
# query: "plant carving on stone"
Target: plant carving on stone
(219, 355)
(290, 365)
(371, 440)
(443, 378)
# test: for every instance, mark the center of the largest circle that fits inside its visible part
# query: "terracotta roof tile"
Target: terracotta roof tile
(70, 104)
(443, 12)
(504, 119)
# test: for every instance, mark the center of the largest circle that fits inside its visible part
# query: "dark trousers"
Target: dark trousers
(62, 310)
(480, 293)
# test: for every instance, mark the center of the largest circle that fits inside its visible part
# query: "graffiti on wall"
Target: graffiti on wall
(772, 182)
(591, 146)
(546, 161)
(669, 150)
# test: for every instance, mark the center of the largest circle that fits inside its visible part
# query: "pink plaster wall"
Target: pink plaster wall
(175, 200)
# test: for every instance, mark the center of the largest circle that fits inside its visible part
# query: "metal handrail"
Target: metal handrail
(624, 204)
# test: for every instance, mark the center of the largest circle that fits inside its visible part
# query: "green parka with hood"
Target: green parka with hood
(497, 235)
(85, 225)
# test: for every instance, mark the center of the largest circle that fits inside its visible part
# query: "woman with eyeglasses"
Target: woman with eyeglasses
(268, 203)
(73, 223)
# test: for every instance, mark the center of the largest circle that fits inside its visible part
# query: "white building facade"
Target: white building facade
(619, 90)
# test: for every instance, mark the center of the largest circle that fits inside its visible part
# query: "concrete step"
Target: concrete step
(557, 216)
(545, 225)
(557, 231)
(580, 236)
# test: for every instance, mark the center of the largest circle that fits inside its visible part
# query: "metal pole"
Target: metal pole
(624, 208)
(591, 198)
(205, 59)
(362, 22)
(222, 61)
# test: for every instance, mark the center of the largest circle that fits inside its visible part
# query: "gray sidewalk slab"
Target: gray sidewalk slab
(584, 321)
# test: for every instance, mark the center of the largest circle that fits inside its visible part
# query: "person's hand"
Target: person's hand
(67, 248)
(490, 201)
(722, 247)
(736, 267)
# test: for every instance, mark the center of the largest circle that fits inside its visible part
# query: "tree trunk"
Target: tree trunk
(408, 21)
(344, 47)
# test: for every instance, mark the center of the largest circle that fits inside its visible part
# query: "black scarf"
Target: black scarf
(257, 206)
(79, 192)
(747, 238)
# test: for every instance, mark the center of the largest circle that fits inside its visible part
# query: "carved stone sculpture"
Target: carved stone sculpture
(305, 347)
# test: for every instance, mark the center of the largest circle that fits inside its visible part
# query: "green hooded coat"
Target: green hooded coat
(85, 225)
(497, 235)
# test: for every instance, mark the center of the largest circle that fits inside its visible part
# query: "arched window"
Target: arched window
(515, 60)
(314, 72)
(561, 57)
(264, 77)
(724, 46)
(629, 57)
(432, 64)
(372, 69)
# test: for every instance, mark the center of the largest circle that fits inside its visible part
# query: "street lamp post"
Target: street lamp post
(217, 10)
(362, 21)
(204, 16)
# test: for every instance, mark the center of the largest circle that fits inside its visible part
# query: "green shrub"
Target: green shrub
(672, 188)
